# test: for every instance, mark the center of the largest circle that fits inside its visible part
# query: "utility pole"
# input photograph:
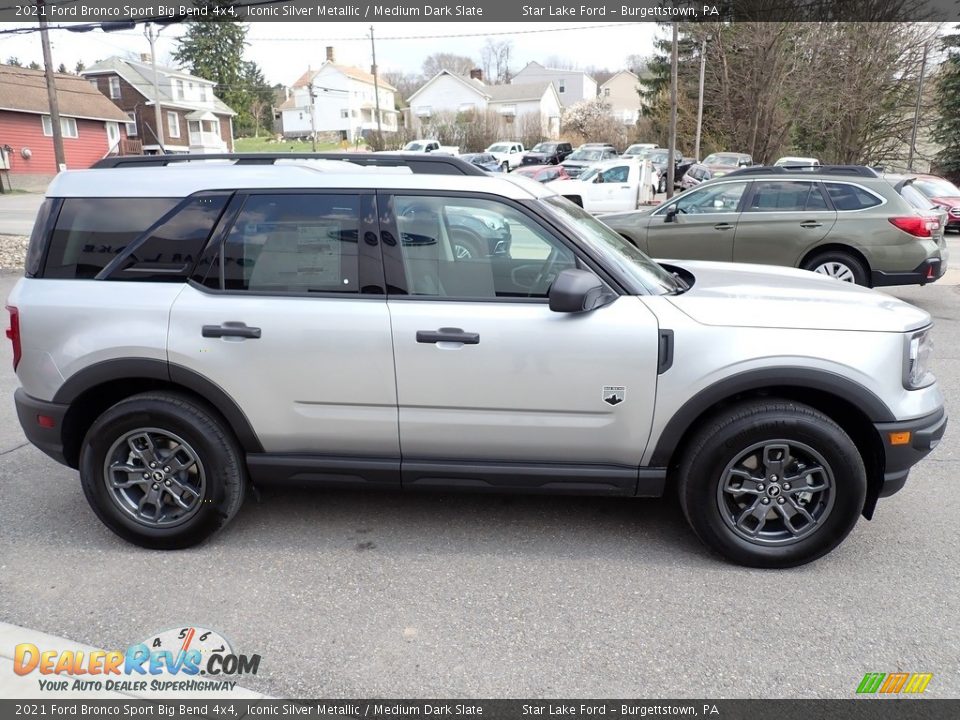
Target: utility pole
(157, 118)
(376, 90)
(703, 66)
(916, 114)
(313, 116)
(51, 91)
(671, 167)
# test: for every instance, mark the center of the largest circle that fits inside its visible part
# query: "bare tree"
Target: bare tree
(495, 58)
(460, 64)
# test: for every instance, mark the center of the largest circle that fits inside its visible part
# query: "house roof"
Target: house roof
(354, 73)
(517, 93)
(534, 65)
(473, 84)
(25, 90)
(140, 76)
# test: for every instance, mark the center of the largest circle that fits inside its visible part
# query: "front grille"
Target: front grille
(955, 211)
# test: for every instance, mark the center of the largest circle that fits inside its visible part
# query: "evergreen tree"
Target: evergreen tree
(62, 69)
(80, 67)
(213, 50)
(14, 61)
(947, 129)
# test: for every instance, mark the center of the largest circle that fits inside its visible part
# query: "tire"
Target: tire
(840, 265)
(213, 477)
(504, 167)
(662, 185)
(731, 445)
(466, 246)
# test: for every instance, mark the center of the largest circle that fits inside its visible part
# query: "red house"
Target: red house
(92, 126)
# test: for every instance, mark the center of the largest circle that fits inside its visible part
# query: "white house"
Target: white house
(340, 99)
(621, 93)
(447, 92)
(572, 85)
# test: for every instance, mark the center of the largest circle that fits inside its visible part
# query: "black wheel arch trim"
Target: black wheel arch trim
(800, 378)
(154, 369)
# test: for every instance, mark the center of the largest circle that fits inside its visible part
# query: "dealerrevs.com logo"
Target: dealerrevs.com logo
(178, 660)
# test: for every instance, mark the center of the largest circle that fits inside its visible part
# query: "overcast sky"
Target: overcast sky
(283, 50)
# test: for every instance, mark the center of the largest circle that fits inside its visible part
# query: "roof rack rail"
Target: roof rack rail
(855, 170)
(420, 164)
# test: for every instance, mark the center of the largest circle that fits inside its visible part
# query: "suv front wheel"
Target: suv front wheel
(772, 484)
(161, 471)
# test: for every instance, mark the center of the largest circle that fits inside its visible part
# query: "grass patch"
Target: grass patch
(268, 144)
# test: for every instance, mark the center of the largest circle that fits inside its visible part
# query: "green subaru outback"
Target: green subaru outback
(843, 221)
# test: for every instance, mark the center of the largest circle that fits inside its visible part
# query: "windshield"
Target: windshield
(544, 148)
(498, 148)
(585, 155)
(937, 188)
(657, 157)
(636, 150)
(724, 160)
(611, 246)
(413, 146)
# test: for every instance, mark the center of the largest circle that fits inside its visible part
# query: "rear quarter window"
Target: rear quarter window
(850, 197)
(91, 232)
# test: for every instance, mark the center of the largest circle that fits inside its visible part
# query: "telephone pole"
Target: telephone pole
(376, 89)
(916, 114)
(671, 159)
(703, 66)
(51, 91)
(157, 114)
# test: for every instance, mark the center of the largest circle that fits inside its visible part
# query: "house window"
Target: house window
(606, 92)
(115, 88)
(68, 126)
(344, 114)
(173, 124)
(132, 125)
(561, 86)
(179, 89)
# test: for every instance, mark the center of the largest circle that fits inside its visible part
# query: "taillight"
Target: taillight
(916, 225)
(13, 332)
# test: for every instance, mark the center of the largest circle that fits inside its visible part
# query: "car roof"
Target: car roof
(181, 180)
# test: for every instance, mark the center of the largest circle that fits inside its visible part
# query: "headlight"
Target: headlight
(916, 366)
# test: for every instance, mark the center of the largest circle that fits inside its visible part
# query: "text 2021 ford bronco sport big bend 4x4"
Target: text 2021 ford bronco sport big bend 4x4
(188, 328)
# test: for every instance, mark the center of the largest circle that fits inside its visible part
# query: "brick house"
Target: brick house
(92, 127)
(193, 119)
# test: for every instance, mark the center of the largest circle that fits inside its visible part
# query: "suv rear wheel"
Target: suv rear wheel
(772, 484)
(161, 471)
(838, 264)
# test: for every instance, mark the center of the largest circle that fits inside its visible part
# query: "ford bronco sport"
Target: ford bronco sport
(187, 329)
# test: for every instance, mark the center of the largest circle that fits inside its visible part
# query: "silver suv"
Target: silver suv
(190, 329)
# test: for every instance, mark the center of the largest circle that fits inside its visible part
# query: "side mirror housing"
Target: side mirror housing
(575, 291)
(671, 215)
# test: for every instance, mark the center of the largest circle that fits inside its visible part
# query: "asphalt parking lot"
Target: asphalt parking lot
(348, 594)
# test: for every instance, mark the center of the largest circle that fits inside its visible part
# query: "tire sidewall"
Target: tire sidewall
(854, 265)
(705, 475)
(212, 454)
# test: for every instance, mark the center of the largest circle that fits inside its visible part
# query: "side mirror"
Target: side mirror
(598, 178)
(575, 291)
(718, 204)
(671, 215)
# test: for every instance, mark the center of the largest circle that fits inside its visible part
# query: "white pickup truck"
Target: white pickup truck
(508, 154)
(611, 185)
(429, 145)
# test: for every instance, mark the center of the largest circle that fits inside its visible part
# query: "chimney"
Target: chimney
(145, 57)
(476, 74)
(330, 55)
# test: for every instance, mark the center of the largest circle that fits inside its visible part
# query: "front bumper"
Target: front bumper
(924, 435)
(47, 437)
(930, 270)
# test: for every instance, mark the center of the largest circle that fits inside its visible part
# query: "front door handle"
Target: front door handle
(723, 226)
(231, 329)
(452, 335)
(810, 224)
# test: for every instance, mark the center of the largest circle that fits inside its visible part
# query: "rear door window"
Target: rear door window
(785, 196)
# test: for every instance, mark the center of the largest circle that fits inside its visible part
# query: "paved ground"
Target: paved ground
(17, 212)
(349, 594)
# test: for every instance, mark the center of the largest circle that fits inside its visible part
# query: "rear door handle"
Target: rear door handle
(810, 224)
(231, 329)
(452, 335)
(723, 226)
